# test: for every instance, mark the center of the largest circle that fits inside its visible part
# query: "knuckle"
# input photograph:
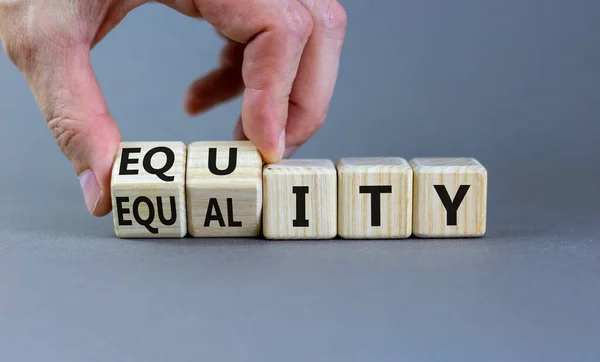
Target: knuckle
(20, 51)
(315, 121)
(309, 121)
(10, 49)
(298, 21)
(335, 17)
(30, 37)
(318, 117)
(15, 34)
(312, 117)
(67, 134)
(28, 48)
(9, 29)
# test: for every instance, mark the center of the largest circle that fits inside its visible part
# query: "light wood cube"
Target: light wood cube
(148, 190)
(300, 200)
(224, 189)
(450, 197)
(374, 198)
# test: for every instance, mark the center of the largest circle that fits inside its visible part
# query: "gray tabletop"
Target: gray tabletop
(515, 84)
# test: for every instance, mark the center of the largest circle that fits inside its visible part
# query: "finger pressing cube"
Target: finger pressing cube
(148, 190)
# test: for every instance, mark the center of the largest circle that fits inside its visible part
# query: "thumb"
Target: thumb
(70, 98)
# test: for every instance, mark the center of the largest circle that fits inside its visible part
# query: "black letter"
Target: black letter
(125, 161)
(212, 162)
(213, 204)
(235, 224)
(375, 192)
(150, 219)
(451, 206)
(161, 215)
(122, 211)
(300, 192)
(160, 172)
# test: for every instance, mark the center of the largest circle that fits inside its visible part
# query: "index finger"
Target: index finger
(276, 33)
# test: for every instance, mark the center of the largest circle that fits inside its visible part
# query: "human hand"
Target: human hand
(282, 54)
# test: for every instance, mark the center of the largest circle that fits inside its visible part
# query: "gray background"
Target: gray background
(515, 83)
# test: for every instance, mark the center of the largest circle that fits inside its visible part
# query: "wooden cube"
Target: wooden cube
(224, 189)
(450, 197)
(374, 198)
(300, 200)
(148, 190)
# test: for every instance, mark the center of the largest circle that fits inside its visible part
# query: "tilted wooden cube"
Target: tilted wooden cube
(300, 200)
(374, 198)
(450, 197)
(224, 189)
(148, 190)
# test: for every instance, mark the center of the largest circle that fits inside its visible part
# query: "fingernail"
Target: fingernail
(290, 151)
(91, 190)
(282, 144)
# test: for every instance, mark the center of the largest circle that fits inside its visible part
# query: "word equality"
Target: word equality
(224, 189)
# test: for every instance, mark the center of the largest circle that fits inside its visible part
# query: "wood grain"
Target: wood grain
(232, 201)
(392, 217)
(140, 195)
(280, 201)
(430, 216)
